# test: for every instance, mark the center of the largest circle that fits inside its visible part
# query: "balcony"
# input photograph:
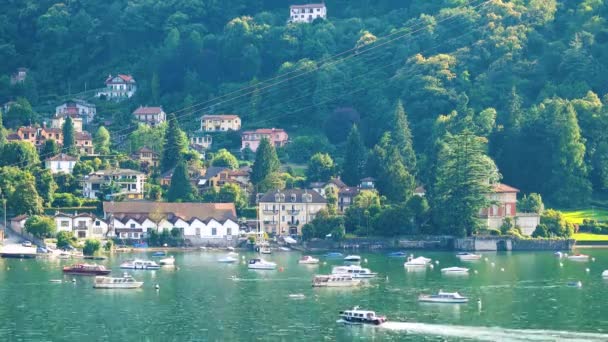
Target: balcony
(293, 212)
(270, 212)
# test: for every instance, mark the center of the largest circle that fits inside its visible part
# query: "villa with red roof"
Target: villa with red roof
(119, 87)
(152, 116)
(251, 139)
(220, 123)
(504, 204)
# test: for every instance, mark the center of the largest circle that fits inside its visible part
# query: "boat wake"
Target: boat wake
(492, 333)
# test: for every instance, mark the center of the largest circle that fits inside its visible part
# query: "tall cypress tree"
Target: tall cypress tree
(395, 181)
(266, 162)
(180, 190)
(69, 136)
(355, 156)
(2, 132)
(402, 137)
(173, 146)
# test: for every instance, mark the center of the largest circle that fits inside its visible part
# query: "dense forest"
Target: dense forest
(524, 76)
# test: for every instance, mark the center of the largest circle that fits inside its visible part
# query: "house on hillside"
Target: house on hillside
(129, 183)
(335, 184)
(307, 13)
(77, 108)
(211, 178)
(84, 143)
(199, 223)
(504, 198)
(200, 141)
(19, 76)
(83, 226)
(146, 157)
(119, 87)
(220, 123)
(61, 163)
(284, 212)
(276, 136)
(59, 119)
(152, 116)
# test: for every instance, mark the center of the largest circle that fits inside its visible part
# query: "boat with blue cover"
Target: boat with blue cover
(397, 254)
(334, 255)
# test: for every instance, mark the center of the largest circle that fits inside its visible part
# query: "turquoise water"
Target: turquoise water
(199, 301)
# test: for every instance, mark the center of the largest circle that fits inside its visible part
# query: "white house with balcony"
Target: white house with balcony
(284, 212)
(152, 116)
(83, 226)
(119, 87)
(129, 183)
(61, 163)
(307, 13)
(77, 108)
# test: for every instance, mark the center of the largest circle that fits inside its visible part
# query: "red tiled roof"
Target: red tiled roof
(147, 110)
(62, 157)
(52, 130)
(186, 211)
(308, 6)
(265, 131)
(220, 116)
(125, 78)
(499, 187)
(83, 136)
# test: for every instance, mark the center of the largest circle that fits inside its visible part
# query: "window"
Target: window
(228, 231)
(198, 232)
(132, 225)
(97, 223)
(282, 218)
(214, 231)
(82, 224)
(65, 223)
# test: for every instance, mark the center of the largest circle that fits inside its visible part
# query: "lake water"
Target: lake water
(528, 301)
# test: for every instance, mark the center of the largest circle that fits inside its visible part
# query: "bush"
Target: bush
(91, 247)
(64, 239)
(109, 245)
(556, 224)
(40, 226)
(66, 200)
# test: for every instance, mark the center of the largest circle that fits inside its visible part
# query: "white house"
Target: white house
(83, 226)
(129, 183)
(199, 223)
(119, 87)
(285, 212)
(77, 108)
(307, 13)
(150, 115)
(61, 163)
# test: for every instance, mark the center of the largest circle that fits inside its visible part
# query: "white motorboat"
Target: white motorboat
(465, 256)
(354, 271)
(227, 260)
(285, 249)
(139, 264)
(308, 260)
(578, 257)
(297, 296)
(265, 251)
(417, 262)
(124, 282)
(558, 254)
(455, 270)
(335, 280)
(261, 264)
(169, 261)
(605, 274)
(358, 316)
(443, 297)
(352, 258)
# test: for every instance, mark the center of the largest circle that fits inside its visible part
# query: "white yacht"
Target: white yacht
(358, 316)
(605, 274)
(335, 280)
(443, 297)
(139, 264)
(354, 270)
(265, 251)
(125, 282)
(578, 257)
(417, 262)
(169, 261)
(352, 258)
(455, 270)
(465, 256)
(308, 260)
(261, 264)
(228, 259)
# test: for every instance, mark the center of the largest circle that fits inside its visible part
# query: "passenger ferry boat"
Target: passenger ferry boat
(465, 256)
(455, 270)
(443, 297)
(335, 280)
(354, 270)
(578, 257)
(358, 316)
(261, 264)
(308, 260)
(139, 264)
(125, 282)
(86, 269)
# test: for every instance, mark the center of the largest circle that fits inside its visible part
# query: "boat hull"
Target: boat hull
(144, 268)
(262, 267)
(87, 273)
(337, 284)
(443, 300)
(124, 286)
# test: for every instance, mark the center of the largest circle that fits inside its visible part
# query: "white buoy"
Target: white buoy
(157, 286)
(73, 280)
(587, 270)
(502, 269)
(593, 259)
(492, 264)
(387, 279)
(365, 260)
(431, 266)
(243, 257)
(561, 264)
(324, 262)
(475, 272)
(579, 284)
(436, 262)
(486, 259)
(566, 255)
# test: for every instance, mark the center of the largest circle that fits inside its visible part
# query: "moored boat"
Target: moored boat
(397, 254)
(358, 316)
(261, 264)
(334, 255)
(465, 256)
(86, 269)
(335, 280)
(578, 257)
(354, 271)
(455, 270)
(159, 254)
(352, 258)
(417, 262)
(124, 282)
(139, 264)
(605, 274)
(443, 297)
(265, 251)
(169, 261)
(308, 260)
(227, 260)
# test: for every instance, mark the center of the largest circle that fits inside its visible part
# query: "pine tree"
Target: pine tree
(461, 184)
(101, 140)
(49, 149)
(402, 138)
(266, 162)
(25, 198)
(2, 132)
(355, 157)
(174, 145)
(395, 182)
(69, 136)
(180, 190)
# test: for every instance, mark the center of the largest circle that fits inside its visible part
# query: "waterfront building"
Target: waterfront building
(504, 205)
(129, 183)
(284, 212)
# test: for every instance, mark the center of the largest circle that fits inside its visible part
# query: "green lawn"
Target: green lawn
(577, 216)
(589, 237)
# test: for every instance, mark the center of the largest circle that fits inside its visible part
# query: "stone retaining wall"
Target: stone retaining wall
(499, 243)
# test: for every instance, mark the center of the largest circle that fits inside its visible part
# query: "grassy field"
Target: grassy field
(577, 216)
(589, 237)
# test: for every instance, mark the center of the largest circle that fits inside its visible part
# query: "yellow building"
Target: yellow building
(220, 123)
(285, 212)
